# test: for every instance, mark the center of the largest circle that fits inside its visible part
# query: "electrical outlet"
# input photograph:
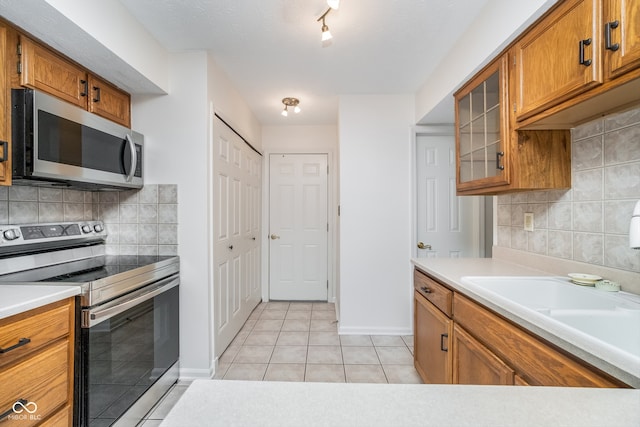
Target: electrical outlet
(528, 221)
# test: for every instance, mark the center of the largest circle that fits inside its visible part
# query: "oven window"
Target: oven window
(64, 141)
(126, 354)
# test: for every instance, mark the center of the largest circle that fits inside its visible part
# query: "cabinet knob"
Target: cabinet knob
(425, 290)
(274, 237)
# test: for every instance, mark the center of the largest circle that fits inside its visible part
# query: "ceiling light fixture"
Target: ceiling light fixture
(326, 34)
(290, 102)
(334, 4)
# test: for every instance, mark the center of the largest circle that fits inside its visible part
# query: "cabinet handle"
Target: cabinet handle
(85, 87)
(21, 342)
(5, 148)
(607, 35)
(583, 43)
(425, 290)
(96, 98)
(8, 412)
(442, 340)
(499, 155)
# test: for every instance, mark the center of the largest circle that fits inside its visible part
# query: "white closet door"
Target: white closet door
(236, 256)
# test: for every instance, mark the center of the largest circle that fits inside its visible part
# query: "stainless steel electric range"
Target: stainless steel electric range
(127, 335)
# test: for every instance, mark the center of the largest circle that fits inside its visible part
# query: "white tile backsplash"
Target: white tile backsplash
(590, 222)
(138, 222)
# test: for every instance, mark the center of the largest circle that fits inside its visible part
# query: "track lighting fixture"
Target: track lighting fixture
(290, 102)
(326, 34)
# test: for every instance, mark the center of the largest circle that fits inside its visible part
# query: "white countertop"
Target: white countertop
(17, 298)
(451, 270)
(210, 403)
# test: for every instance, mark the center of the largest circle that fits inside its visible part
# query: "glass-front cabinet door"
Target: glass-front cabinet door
(482, 131)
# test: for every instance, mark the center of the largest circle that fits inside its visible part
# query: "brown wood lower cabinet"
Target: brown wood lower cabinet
(473, 363)
(36, 366)
(432, 342)
(484, 348)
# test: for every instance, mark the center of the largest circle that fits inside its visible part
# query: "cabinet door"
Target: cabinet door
(48, 72)
(622, 36)
(473, 363)
(5, 126)
(559, 58)
(482, 129)
(432, 342)
(109, 102)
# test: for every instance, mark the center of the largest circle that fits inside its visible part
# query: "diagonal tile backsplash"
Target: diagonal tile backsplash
(590, 222)
(139, 222)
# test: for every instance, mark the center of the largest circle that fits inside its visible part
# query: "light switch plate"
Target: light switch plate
(528, 221)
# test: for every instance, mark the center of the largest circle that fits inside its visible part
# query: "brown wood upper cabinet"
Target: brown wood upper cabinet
(578, 62)
(492, 157)
(42, 69)
(5, 146)
(621, 36)
(559, 57)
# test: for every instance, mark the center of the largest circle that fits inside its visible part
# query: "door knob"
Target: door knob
(274, 237)
(423, 246)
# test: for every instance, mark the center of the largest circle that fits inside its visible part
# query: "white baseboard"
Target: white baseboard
(355, 330)
(187, 375)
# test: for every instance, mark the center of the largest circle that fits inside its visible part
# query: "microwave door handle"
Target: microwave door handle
(134, 157)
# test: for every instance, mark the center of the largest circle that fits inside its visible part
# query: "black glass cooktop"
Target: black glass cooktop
(108, 265)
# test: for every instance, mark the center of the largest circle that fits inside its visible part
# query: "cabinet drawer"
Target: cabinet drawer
(534, 361)
(42, 326)
(63, 417)
(439, 295)
(41, 380)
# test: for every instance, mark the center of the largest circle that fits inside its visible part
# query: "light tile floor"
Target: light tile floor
(295, 341)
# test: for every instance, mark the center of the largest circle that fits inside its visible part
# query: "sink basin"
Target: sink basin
(546, 293)
(606, 325)
(609, 318)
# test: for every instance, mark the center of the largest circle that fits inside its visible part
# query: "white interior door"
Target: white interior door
(237, 173)
(298, 227)
(447, 225)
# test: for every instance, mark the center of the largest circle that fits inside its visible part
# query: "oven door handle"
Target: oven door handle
(91, 317)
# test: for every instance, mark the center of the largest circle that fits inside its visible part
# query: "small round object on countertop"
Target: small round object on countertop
(584, 279)
(607, 285)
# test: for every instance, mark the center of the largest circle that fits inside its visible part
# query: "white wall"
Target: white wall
(493, 29)
(231, 107)
(375, 222)
(175, 129)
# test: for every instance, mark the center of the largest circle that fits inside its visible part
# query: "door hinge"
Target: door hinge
(327, 227)
(19, 53)
(327, 284)
(327, 169)
(19, 67)
(19, 49)
(338, 210)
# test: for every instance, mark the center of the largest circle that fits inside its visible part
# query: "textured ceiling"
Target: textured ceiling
(271, 49)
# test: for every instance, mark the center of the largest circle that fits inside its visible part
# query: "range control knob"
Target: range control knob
(98, 228)
(86, 228)
(11, 234)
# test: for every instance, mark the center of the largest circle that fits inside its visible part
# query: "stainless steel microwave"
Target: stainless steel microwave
(58, 144)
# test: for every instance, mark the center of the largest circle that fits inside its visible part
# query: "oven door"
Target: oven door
(126, 345)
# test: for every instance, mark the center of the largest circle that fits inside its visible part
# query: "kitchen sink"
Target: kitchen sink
(546, 293)
(611, 318)
(606, 325)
